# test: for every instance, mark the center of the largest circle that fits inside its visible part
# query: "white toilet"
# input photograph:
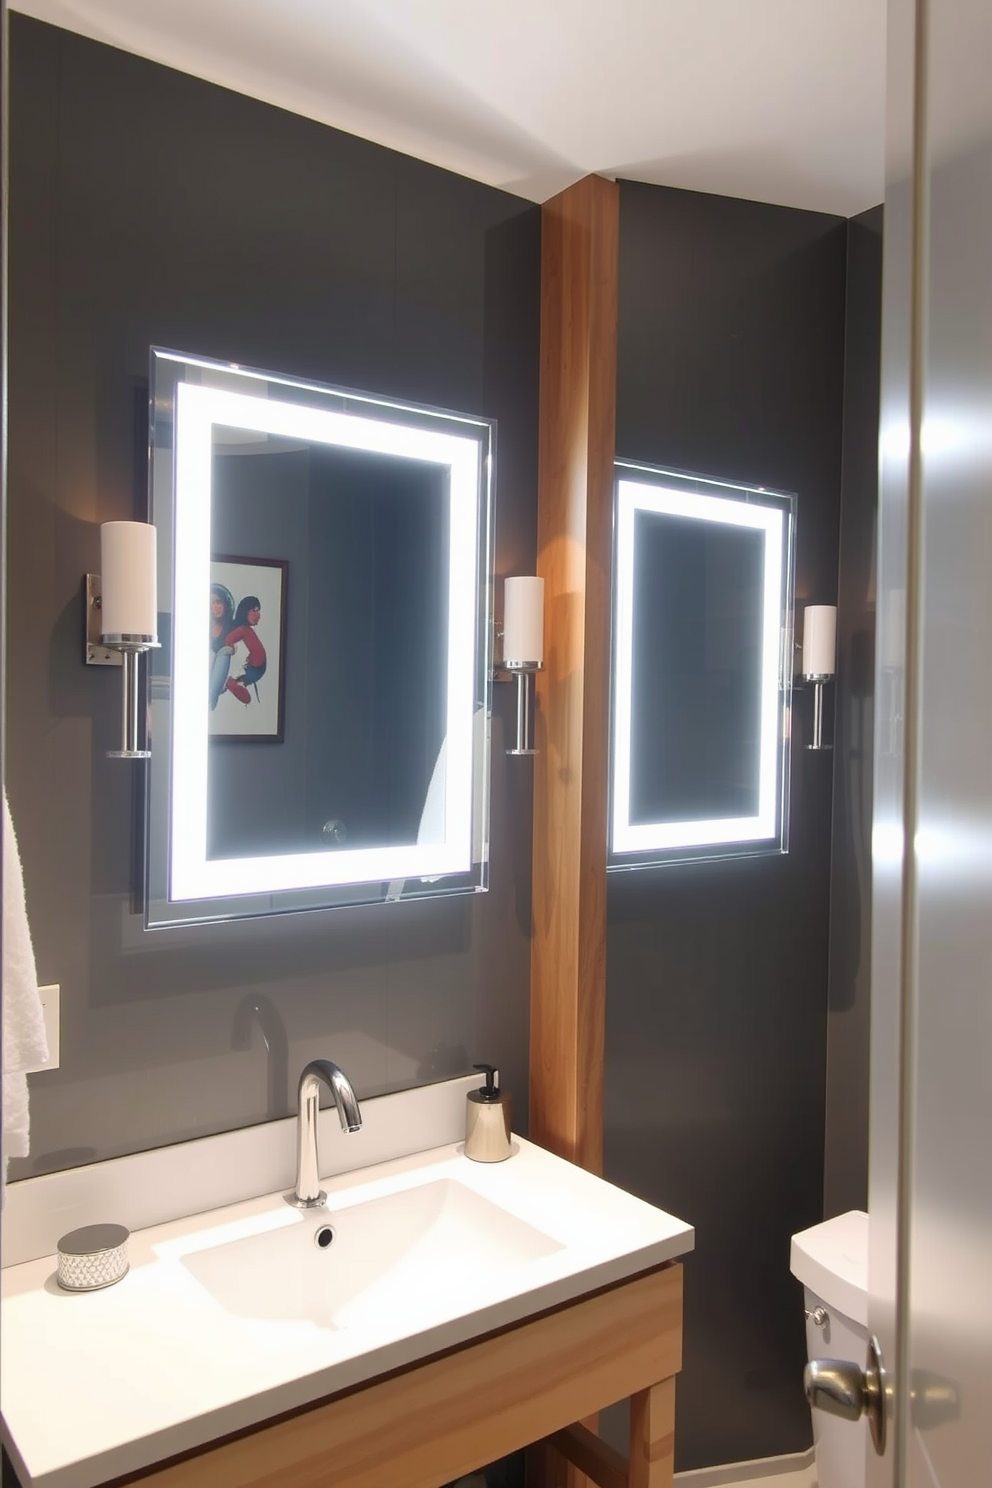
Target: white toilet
(831, 1261)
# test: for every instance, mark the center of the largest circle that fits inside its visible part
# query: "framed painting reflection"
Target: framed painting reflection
(247, 642)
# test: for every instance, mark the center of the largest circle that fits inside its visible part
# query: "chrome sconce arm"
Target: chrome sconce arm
(525, 673)
(816, 739)
(525, 700)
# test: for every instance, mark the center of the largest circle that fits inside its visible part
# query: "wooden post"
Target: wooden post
(575, 508)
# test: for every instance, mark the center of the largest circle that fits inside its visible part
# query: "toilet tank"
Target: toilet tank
(831, 1260)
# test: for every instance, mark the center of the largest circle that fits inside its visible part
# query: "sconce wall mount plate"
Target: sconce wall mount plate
(95, 652)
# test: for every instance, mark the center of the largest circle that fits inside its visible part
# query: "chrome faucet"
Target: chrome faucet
(308, 1193)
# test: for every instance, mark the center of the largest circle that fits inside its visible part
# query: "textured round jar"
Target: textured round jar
(92, 1257)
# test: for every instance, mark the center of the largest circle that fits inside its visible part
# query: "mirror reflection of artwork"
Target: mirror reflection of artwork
(246, 669)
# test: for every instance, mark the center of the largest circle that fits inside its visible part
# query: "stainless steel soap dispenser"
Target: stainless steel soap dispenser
(487, 1120)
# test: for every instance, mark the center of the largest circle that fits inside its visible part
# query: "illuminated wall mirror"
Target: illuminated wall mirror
(701, 688)
(320, 730)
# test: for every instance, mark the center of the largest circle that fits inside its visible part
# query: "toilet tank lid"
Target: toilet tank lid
(832, 1260)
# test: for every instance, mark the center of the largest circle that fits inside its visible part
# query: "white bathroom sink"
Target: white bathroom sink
(409, 1257)
(233, 1315)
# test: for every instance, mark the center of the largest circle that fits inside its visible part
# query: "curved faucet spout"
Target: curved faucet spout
(308, 1193)
(340, 1087)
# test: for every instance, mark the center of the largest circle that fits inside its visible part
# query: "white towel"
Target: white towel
(24, 1042)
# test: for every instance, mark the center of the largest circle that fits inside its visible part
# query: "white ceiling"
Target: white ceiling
(777, 100)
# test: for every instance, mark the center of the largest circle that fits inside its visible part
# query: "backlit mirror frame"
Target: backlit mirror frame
(653, 489)
(190, 396)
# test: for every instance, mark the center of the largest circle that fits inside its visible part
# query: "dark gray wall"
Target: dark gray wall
(845, 1179)
(151, 208)
(731, 359)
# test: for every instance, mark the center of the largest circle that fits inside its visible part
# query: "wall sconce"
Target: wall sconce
(819, 660)
(523, 651)
(122, 617)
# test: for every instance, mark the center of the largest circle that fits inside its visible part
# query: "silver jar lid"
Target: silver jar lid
(92, 1257)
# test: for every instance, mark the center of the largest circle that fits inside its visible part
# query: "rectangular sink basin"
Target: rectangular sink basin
(403, 1259)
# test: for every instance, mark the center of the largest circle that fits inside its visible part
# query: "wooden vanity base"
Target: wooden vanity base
(427, 1425)
(652, 1444)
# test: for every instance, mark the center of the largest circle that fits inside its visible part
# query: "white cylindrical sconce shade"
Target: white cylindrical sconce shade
(819, 640)
(128, 570)
(523, 622)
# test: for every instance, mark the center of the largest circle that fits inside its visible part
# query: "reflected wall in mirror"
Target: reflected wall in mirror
(330, 744)
(701, 688)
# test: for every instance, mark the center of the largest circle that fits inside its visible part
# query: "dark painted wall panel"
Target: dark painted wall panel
(731, 346)
(151, 208)
(845, 1184)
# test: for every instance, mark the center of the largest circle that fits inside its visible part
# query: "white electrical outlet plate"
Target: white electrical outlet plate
(50, 1006)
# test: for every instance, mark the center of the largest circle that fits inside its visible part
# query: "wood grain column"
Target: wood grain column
(577, 436)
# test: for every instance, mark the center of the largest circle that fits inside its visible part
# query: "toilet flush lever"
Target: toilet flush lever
(843, 1389)
(819, 1317)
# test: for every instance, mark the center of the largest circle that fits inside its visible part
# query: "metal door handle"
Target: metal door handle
(844, 1389)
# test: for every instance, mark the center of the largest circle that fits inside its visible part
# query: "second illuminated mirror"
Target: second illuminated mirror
(701, 691)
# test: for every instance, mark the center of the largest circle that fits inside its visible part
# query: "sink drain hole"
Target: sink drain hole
(323, 1237)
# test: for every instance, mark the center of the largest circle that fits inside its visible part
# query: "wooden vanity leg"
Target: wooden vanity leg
(652, 1436)
(546, 1468)
(573, 1477)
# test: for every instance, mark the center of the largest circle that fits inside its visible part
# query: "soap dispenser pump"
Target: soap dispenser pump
(487, 1120)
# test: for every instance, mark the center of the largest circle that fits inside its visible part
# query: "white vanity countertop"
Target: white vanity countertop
(99, 1384)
